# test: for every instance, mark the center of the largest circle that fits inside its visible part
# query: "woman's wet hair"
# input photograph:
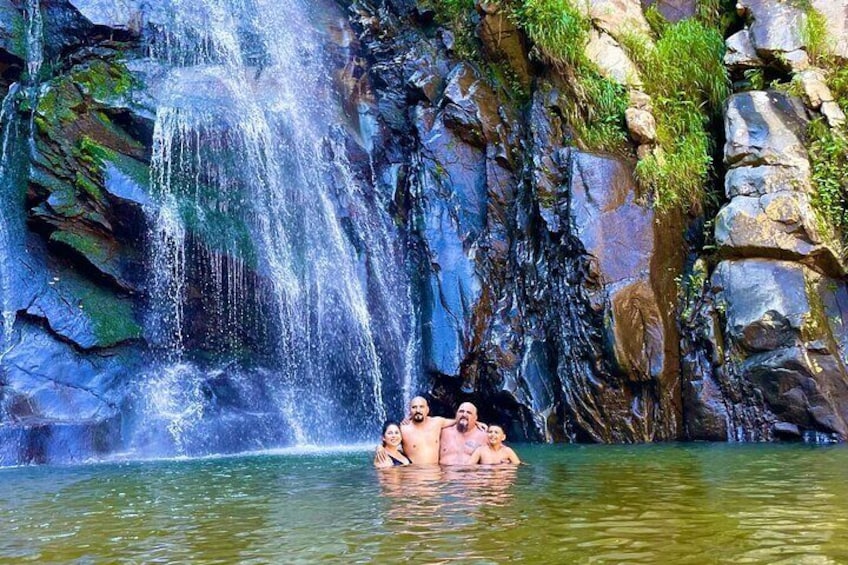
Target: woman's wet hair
(386, 427)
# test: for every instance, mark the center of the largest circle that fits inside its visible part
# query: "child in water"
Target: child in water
(495, 452)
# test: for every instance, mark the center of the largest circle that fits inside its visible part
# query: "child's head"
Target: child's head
(495, 435)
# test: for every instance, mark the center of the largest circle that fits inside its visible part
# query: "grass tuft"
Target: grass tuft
(828, 147)
(816, 38)
(595, 106)
(682, 71)
(684, 74)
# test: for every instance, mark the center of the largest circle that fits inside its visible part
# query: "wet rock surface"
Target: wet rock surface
(769, 365)
(673, 10)
(547, 289)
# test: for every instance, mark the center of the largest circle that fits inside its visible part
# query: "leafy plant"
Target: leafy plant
(828, 146)
(837, 81)
(596, 112)
(684, 74)
(815, 36)
(450, 10)
(719, 14)
(557, 28)
(456, 14)
(595, 105)
(828, 149)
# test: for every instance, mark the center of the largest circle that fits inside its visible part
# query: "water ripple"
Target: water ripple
(645, 504)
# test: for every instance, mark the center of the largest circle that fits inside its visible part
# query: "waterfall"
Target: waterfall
(250, 172)
(34, 41)
(11, 174)
(8, 121)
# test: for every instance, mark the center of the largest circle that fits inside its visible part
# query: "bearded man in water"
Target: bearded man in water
(421, 433)
(458, 442)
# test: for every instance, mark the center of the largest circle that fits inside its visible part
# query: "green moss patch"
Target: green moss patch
(112, 319)
(59, 104)
(104, 81)
(90, 246)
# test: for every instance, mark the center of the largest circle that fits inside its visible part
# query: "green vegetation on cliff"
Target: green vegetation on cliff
(685, 76)
(681, 68)
(452, 10)
(827, 146)
(597, 105)
(557, 27)
(815, 36)
(828, 149)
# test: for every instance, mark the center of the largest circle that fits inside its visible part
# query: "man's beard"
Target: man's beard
(418, 417)
(462, 426)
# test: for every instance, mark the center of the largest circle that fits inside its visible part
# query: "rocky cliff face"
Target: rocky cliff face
(776, 365)
(548, 288)
(548, 285)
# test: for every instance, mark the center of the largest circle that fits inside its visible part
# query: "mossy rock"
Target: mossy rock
(12, 34)
(84, 312)
(220, 232)
(112, 318)
(101, 252)
(59, 104)
(105, 82)
(78, 139)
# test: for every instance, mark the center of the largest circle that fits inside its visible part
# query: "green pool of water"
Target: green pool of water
(594, 504)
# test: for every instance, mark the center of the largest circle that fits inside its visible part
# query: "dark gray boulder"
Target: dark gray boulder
(782, 343)
(765, 128)
(58, 404)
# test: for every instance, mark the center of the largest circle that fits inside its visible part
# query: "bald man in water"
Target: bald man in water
(421, 433)
(458, 442)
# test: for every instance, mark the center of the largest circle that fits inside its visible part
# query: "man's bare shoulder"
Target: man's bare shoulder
(480, 435)
(440, 422)
(450, 428)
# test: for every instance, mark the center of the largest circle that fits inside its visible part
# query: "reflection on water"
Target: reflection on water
(647, 504)
(424, 502)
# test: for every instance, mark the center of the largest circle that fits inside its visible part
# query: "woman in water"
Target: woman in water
(389, 453)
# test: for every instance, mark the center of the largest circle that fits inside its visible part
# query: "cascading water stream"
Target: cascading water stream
(34, 41)
(249, 173)
(11, 219)
(8, 121)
